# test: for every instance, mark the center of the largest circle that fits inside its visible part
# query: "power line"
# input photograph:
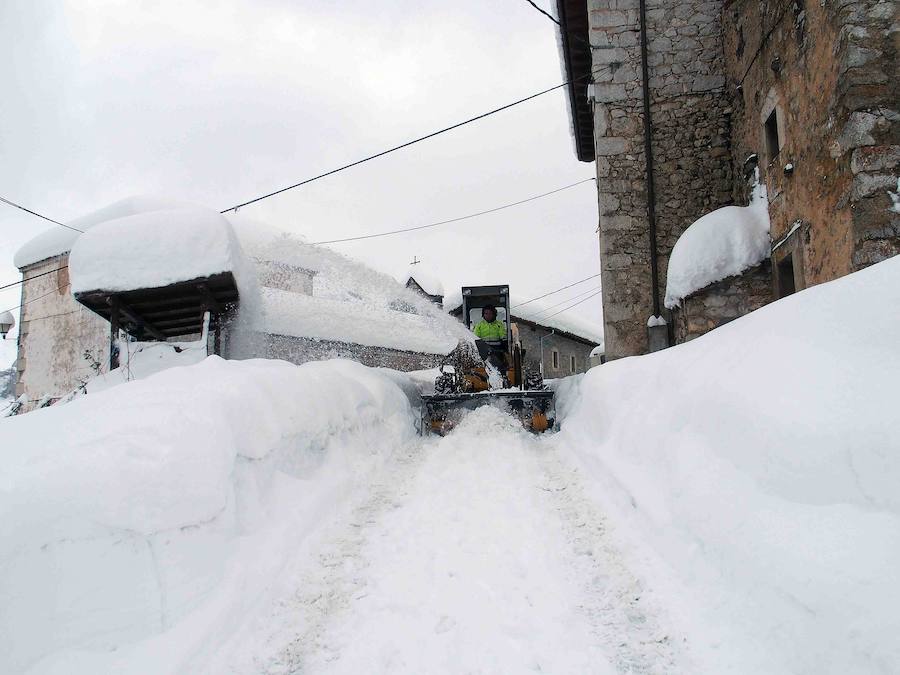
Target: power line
(24, 279)
(407, 144)
(35, 213)
(547, 14)
(581, 281)
(574, 305)
(28, 302)
(562, 302)
(456, 220)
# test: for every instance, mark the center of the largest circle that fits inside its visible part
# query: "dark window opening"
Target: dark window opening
(771, 130)
(555, 360)
(786, 284)
(572, 367)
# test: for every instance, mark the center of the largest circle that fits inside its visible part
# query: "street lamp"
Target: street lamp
(6, 323)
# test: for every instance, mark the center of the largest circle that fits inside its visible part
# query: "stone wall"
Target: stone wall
(566, 347)
(55, 331)
(828, 72)
(723, 301)
(691, 125)
(300, 350)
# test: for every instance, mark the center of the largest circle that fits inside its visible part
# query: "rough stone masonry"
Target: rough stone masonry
(690, 124)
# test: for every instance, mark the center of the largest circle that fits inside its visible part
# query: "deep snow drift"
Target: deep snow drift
(762, 462)
(125, 511)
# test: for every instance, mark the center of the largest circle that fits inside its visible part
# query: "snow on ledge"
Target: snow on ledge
(720, 244)
(58, 240)
(359, 323)
(153, 249)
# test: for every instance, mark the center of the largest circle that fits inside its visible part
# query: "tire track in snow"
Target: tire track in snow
(478, 552)
(635, 631)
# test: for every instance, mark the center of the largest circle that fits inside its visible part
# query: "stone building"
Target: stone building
(554, 347)
(680, 103)
(62, 343)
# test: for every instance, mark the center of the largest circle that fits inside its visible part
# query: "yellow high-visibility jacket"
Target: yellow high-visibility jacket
(495, 330)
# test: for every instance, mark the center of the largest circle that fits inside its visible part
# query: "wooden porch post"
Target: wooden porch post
(113, 333)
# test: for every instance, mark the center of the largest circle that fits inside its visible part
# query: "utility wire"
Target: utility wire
(571, 306)
(456, 220)
(547, 14)
(35, 213)
(407, 144)
(581, 281)
(23, 280)
(562, 302)
(28, 302)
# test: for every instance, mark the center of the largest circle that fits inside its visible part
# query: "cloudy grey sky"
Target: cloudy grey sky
(217, 102)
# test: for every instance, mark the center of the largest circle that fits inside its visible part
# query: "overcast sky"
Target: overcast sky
(218, 102)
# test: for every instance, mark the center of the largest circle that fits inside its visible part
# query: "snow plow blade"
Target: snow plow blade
(535, 409)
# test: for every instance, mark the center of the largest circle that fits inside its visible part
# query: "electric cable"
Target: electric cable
(581, 281)
(455, 220)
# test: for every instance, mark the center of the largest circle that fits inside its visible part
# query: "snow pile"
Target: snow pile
(143, 359)
(719, 245)
(325, 319)
(171, 500)
(351, 302)
(58, 240)
(762, 461)
(153, 249)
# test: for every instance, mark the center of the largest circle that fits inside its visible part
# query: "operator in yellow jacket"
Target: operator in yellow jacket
(490, 328)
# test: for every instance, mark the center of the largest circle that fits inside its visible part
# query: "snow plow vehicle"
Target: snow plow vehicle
(493, 373)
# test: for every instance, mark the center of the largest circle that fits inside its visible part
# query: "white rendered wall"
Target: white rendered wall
(54, 333)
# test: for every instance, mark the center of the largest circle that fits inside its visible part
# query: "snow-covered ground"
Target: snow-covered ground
(762, 463)
(725, 506)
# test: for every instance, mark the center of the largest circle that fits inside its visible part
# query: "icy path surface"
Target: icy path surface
(474, 553)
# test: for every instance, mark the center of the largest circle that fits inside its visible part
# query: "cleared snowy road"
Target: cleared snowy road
(474, 553)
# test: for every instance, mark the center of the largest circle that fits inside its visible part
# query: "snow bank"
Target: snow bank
(719, 245)
(153, 249)
(165, 500)
(355, 322)
(762, 461)
(57, 240)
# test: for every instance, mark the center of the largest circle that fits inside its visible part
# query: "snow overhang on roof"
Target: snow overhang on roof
(576, 57)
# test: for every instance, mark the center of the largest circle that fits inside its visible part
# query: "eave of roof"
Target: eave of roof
(574, 32)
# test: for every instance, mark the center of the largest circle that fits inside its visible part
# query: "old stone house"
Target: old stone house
(66, 338)
(682, 105)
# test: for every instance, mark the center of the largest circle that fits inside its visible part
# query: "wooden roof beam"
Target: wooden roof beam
(140, 322)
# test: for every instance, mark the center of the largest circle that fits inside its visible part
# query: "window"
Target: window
(572, 364)
(773, 147)
(785, 276)
(555, 360)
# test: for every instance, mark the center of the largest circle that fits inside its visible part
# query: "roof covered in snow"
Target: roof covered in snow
(58, 240)
(720, 244)
(424, 278)
(298, 315)
(153, 249)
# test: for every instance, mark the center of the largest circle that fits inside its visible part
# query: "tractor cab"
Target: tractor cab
(475, 299)
(497, 377)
